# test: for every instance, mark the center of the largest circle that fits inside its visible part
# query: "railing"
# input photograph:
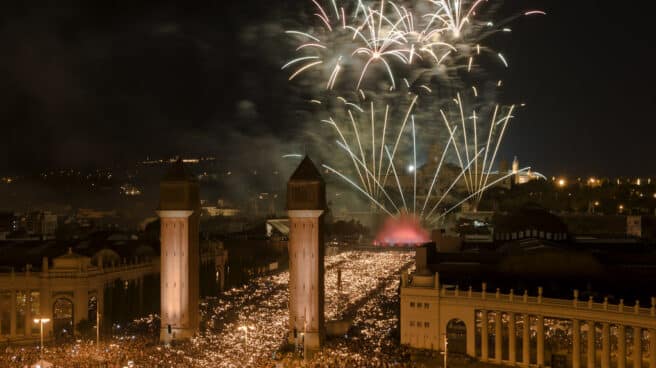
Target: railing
(55, 274)
(560, 303)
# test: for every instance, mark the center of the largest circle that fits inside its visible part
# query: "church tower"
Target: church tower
(179, 212)
(306, 202)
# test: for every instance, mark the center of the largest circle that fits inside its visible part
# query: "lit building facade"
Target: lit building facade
(430, 312)
(69, 289)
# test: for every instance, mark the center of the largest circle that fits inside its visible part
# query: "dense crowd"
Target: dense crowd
(81, 354)
(246, 326)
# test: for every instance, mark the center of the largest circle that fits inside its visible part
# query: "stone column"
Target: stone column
(512, 339)
(652, 348)
(45, 305)
(484, 337)
(12, 323)
(526, 341)
(28, 313)
(591, 344)
(621, 346)
(605, 345)
(540, 347)
(100, 306)
(576, 343)
(498, 337)
(637, 347)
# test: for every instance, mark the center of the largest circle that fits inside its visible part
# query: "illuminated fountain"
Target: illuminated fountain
(402, 231)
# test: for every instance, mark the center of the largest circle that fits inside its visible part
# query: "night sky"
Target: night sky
(86, 85)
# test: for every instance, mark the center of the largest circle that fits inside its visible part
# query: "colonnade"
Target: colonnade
(13, 312)
(621, 353)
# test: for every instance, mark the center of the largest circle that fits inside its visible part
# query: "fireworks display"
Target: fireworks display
(359, 36)
(381, 149)
(382, 41)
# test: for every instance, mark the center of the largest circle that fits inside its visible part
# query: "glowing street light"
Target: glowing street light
(41, 321)
(561, 182)
(446, 348)
(98, 315)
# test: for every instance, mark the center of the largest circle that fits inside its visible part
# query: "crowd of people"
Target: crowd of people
(80, 354)
(246, 326)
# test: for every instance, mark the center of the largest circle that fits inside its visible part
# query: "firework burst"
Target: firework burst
(360, 36)
(361, 40)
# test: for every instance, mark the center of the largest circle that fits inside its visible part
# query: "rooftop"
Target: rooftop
(306, 172)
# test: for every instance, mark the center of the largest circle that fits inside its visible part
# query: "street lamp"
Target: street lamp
(41, 321)
(98, 315)
(446, 348)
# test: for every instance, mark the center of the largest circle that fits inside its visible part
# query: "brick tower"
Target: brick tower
(306, 202)
(179, 211)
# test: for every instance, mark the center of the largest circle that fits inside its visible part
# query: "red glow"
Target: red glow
(402, 231)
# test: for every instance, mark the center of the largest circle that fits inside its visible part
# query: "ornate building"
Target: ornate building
(72, 288)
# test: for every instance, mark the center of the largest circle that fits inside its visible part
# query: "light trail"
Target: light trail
(437, 171)
(455, 181)
(358, 188)
(480, 191)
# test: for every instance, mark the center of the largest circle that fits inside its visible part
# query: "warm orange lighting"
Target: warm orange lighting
(561, 182)
(596, 203)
